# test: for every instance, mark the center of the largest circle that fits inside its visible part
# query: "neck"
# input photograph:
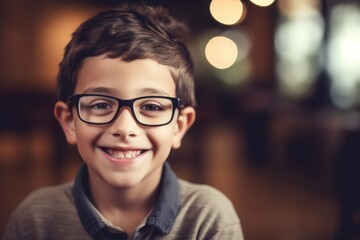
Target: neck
(124, 207)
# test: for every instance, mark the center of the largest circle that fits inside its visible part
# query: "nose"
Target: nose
(125, 124)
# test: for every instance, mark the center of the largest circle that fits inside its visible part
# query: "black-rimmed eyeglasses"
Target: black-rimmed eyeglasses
(147, 110)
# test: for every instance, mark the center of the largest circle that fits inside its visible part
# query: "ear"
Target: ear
(185, 120)
(65, 117)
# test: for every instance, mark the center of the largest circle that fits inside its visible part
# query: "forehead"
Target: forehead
(125, 79)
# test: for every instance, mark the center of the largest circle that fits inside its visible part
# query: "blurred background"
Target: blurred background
(278, 125)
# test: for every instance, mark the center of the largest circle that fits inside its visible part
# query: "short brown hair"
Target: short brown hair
(130, 32)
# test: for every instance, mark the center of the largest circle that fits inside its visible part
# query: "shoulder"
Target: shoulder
(198, 191)
(206, 212)
(41, 210)
(203, 197)
(203, 201)
(47, 198)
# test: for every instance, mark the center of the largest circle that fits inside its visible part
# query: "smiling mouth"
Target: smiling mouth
(123, 154)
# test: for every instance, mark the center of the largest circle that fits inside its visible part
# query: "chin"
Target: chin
(123, 181)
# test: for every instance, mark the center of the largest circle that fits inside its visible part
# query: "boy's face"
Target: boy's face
(124, 153)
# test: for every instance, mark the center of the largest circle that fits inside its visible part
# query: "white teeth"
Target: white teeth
(123, 154)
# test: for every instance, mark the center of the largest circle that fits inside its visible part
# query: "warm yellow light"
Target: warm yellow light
(227, 12)
(55, 34)
(262, 3)
(221, 52)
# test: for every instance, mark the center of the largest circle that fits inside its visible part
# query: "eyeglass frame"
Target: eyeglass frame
(75, 99)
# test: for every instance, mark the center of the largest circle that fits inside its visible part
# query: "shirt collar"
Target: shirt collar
(162, 216)
(167, 205)
(90, 220)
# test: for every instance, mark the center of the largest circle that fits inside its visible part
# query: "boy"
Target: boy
(126, 98)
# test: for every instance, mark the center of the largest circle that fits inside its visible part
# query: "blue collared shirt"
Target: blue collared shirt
(159, 221)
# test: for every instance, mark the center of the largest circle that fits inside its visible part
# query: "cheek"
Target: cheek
(162, 137)
(86, 135)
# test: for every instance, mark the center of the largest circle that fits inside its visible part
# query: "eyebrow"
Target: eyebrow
(153, 91)
(112, 92)
(100, 90)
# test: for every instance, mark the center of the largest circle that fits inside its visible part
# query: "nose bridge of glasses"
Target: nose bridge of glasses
(123, 105)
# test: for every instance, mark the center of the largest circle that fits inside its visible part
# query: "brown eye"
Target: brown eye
(101, 106)
(151, 107)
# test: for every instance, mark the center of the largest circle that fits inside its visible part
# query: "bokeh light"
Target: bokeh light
(227, 12)
(262, 3)
(221, 52)
(298, 52)
(344, 55)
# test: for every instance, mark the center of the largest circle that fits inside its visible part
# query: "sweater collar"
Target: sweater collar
(162, 216)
